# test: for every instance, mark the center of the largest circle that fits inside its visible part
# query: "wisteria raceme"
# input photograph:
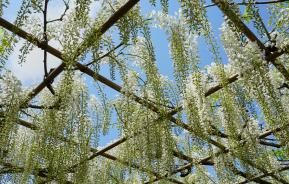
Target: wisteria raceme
(196, 105)
(10, 99)
(257, 73)
(183, 45)
(9, 85)
(213, 109)
(282, 40)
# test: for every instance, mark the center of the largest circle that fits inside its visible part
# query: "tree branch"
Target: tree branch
(228, 11)
(105, 55)
(21, 33)
(62, 15)
(100, 152)
(245, 3)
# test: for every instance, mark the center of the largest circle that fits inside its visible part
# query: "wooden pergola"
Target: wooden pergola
(207, 160)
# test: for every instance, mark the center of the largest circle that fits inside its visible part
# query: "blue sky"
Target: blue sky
(159, 36)
(31, 73)
(160, 43)
(159, 40)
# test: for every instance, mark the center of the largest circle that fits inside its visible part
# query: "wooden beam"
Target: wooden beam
(228, 11)
(32, 39)
(116, 87)
(265, 175)
(99, 152)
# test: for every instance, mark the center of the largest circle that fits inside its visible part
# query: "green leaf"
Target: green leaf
(246, 16)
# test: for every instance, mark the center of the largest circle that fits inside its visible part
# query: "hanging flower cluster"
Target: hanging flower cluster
(196, 105)
(222, 123)
(10, 95)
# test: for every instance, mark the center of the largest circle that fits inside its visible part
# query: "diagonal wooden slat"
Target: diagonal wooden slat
(265, 175)
(247, 176)
(211, 91)
(89, 72)
(10, 168)
(111, 146)
(102, 153)
(204, 161)
(97, 32)
(257, 3)
(209, 140)
(21, 33)
(208, 158)
(119, 88)
(228, 11)
(116, 87)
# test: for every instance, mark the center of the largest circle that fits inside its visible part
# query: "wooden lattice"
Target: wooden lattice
(226, 8)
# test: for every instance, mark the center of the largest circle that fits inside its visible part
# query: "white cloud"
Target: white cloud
(32, 71)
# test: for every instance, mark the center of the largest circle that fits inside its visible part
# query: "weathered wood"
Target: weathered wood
(101, 152)
(270, 57)
(29, 37)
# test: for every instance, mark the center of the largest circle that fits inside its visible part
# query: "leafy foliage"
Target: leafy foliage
(171, 128)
